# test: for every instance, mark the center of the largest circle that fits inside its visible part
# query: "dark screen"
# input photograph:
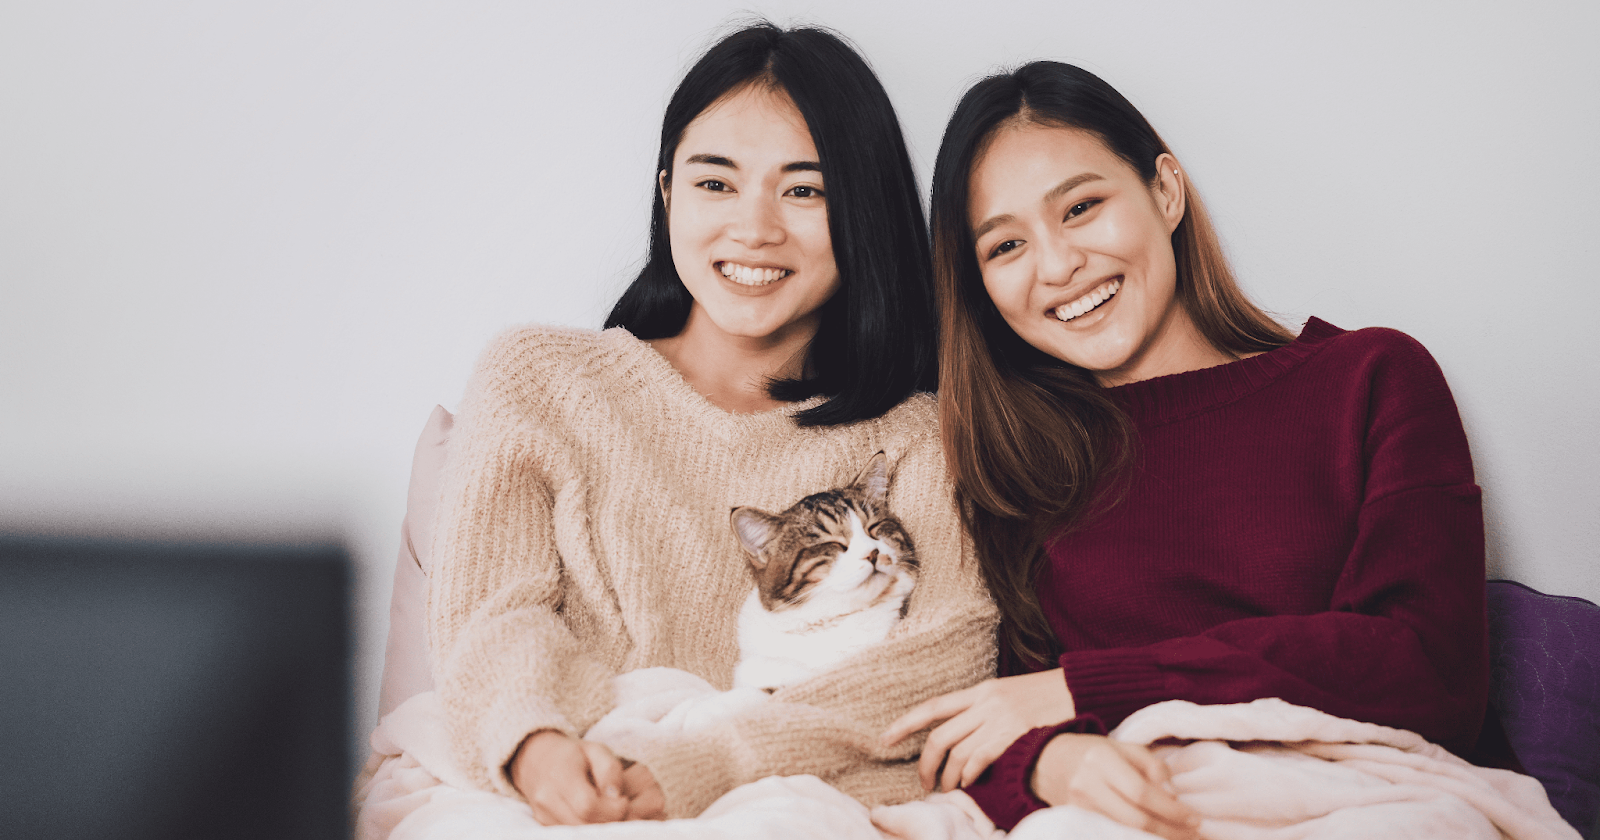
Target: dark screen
(173, 691)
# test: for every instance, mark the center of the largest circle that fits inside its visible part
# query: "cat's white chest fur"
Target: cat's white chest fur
(773, 655)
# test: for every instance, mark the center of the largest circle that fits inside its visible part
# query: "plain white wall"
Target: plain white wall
(245, 247)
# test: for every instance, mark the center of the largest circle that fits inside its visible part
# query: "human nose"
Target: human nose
(1058, 260)
(759, 223)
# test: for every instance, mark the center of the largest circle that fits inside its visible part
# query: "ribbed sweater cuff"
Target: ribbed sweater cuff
(505, 728)
(1005, 790)
(1112, 684)
(692, 772)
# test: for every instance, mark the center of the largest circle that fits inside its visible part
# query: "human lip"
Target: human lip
(752, 275)
(1086, 303)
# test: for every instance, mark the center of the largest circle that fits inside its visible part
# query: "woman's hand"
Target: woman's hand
(1125, 782)
(645, 801)
(980, 723)
(568, 781)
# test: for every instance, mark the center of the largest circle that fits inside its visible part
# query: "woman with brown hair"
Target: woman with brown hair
(1172, 496)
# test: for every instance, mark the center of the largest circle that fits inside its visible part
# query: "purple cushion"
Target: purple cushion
(1544, 654)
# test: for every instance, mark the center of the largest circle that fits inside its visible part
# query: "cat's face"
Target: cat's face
(832, 553)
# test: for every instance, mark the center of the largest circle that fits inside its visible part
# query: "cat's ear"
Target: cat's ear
(755, 529)
(875, 478)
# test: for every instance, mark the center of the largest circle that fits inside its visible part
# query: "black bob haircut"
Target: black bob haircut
(876, 343)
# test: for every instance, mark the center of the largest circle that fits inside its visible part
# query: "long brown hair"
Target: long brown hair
(1030, 439)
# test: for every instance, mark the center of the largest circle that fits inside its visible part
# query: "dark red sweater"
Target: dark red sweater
(1301, 524)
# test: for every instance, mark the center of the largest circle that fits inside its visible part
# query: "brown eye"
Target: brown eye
(1005, 247)
(1081, 208)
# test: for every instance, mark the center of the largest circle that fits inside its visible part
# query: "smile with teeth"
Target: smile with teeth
(746, 275)
(1089, 302)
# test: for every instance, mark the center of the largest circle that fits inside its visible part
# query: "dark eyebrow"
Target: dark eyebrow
(719, 160)
(1069, 185)
(714, 160)
(1055, 193)
(991, 224)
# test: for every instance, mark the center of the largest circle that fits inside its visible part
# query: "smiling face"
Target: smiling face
(1076, 253)
(747, 217)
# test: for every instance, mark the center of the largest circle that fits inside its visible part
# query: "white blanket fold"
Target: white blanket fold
(1266, 770)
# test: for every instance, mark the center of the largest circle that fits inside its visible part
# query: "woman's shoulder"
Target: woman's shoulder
(528, 360)
(911, 426)
(918, 412)
(545, 347)
(1370, 342)
(551, 372)
(1379, 362)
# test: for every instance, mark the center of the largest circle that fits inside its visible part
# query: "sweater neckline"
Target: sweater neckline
(1170, 398)
(657, 372)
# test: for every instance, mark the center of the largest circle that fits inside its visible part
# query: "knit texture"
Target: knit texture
(1302, 524)
(584, 532)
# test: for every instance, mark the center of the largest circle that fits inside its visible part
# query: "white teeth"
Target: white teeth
(1100, 294)
(745, 275)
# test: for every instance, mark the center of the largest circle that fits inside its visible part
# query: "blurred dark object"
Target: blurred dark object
(153, 690)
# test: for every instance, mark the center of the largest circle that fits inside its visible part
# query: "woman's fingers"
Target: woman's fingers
(971, 755)
(566, 792)
(987, 752)
(554, 773)
(561, 791)
(1094, 772)
(1158, 795)
(644, 797)
(1109, 802)
(605, 772)
(1131, 783)
(926, 714)
(1145, 761)
(941, 740)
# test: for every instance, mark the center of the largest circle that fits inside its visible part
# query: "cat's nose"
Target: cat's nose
(872, 557)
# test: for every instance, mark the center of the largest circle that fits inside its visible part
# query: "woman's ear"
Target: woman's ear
(1171, 194)
(666, 190)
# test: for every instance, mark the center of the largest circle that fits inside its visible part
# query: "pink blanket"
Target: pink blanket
(1266, 770)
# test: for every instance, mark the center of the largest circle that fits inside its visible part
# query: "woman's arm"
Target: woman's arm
(1418, 660)
(1404, 645)
(505, 663)
(1403, 641)
(830, 725)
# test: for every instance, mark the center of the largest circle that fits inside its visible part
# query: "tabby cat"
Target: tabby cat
(832, 575)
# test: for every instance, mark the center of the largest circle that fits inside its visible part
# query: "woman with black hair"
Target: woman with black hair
(1172, 496)
(779, 335)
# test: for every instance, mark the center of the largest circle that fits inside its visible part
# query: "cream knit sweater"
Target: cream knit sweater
(583, 532)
